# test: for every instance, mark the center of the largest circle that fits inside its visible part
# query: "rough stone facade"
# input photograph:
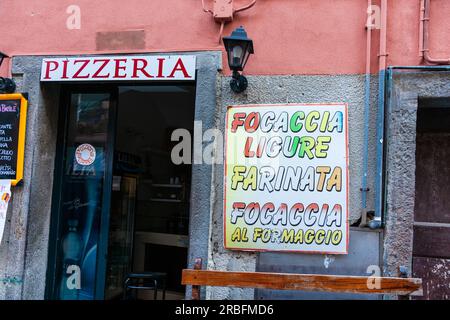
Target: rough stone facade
(23, 251)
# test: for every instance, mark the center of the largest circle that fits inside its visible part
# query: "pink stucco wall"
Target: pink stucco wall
(290, 36)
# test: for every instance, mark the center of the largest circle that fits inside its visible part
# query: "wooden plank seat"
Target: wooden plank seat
(304, 282)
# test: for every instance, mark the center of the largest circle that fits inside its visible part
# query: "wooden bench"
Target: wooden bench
(196, 277)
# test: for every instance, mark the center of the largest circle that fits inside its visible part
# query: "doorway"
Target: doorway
(120, 204)
(431, 245)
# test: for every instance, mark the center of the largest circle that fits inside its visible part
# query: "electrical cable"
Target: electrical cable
(248, 6)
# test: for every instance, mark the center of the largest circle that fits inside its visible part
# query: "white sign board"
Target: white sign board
(119, 68)
(286, 178)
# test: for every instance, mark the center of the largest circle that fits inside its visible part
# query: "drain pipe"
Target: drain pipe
(364, 188)
(424, 35)
(377, 221)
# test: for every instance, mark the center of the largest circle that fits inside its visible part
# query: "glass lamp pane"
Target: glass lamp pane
(246, 53)
(235, 56)
(237, 53)
(245, 58)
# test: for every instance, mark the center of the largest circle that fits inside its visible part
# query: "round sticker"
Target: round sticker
(85, 154)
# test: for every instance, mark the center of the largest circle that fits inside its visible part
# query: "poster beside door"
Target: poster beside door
(286, 178)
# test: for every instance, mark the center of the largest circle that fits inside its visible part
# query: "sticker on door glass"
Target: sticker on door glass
(85, 154)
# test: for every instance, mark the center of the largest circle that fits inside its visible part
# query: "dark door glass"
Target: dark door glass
(121, 228)
(82, 195)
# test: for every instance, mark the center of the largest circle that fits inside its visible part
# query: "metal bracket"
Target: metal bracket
(7, 85)
(403, 271)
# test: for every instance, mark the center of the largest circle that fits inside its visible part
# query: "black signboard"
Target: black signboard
(13, 111)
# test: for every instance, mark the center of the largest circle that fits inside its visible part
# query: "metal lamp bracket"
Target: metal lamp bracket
(7, 85)
(238, 83)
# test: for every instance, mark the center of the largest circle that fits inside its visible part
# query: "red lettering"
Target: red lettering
(260, 150)
(97, 75)
(253, 206)
(136, 68)
(160, 67)
(83, 66)
(238, 205)
(64, 75)
(252, 122)
(120, 68)
(237, 121)
(298, 207)
(179, 66)
(270, 207)
(48, 69)
(248, 153)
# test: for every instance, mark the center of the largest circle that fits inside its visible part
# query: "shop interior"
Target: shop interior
(149, 214)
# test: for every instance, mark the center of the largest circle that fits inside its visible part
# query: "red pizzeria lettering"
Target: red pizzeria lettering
(160, 67)
(64, 75)
(49, 69)
(97, 75)
(141, 68)
(179, 66)
(120, 68)
(83, 65)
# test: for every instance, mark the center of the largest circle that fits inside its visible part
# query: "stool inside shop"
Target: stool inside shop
(136, 282)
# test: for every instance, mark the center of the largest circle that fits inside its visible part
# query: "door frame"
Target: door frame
(55, 222)
(404, 90)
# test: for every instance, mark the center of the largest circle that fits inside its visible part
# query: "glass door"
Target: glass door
(84, 196)
(121, 230)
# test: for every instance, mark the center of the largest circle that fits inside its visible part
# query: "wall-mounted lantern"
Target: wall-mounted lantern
(6, 85)
(239, 47)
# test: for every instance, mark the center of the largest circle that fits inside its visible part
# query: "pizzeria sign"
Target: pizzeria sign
(119, 68)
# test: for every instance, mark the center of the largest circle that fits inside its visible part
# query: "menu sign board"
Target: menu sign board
(13, 112)
(286, 178)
